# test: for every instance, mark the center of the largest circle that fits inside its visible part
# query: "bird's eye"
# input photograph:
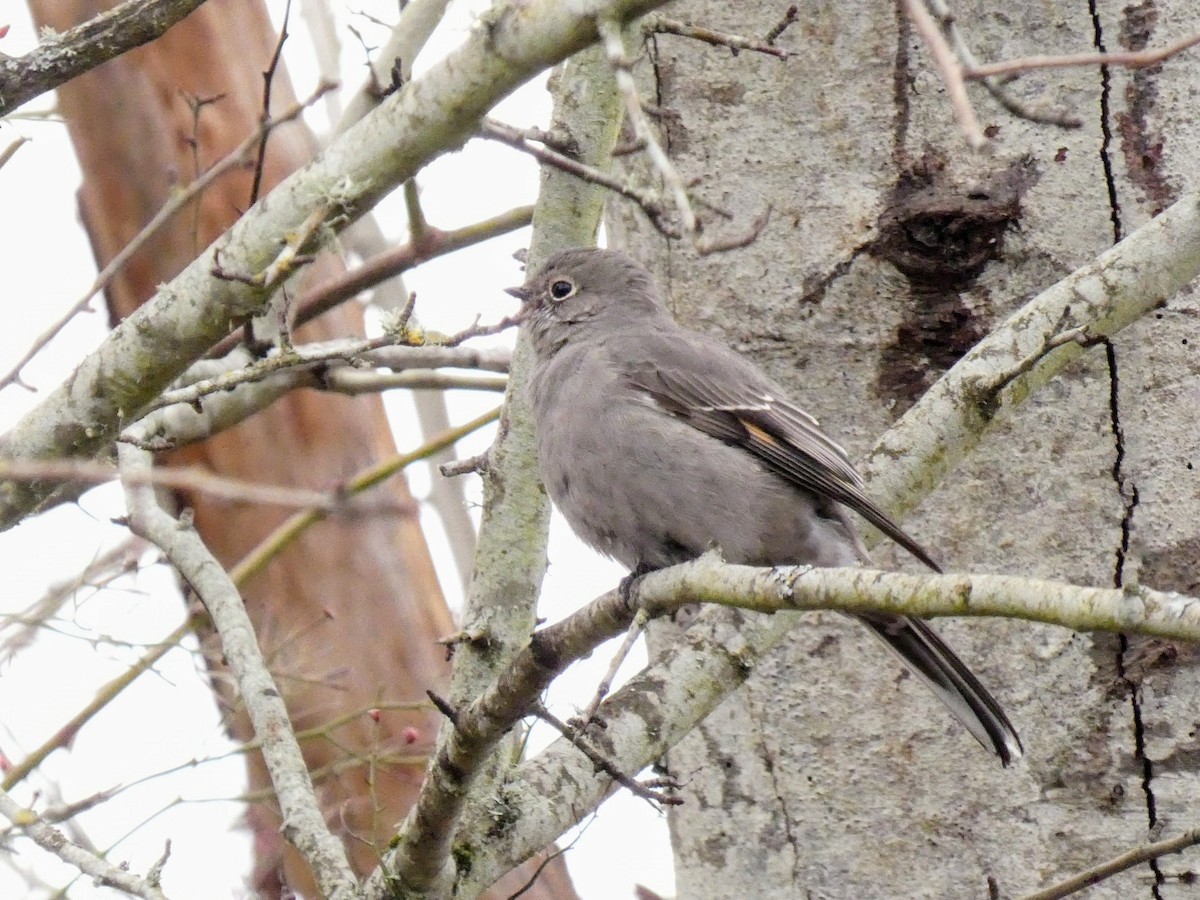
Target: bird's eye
(562, 289)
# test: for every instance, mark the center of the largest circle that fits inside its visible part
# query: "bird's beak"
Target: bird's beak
(521, 293)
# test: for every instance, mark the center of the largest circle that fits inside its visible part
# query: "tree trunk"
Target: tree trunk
(350, 613)
(891, 250)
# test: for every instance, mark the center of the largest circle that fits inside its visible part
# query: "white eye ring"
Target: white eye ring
(561, 289)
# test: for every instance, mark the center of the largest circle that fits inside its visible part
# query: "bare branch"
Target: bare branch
(180, 478)
(1131, 59)
(61, 57)
(1060, 118)
(334, 291)
(951, 69)
(303, 824)
(692, 678)
(154, 344)
(736, 43)
(521, 140)
(614, 45)
(268, 77)
(353, 381)
(284, 358)
(1122, 863)
(288, 531)
(101, 870)
(602, 763)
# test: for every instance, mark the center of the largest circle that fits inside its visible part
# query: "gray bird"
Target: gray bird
(656, 442)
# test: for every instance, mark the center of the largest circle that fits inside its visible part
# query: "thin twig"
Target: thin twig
(602, 764)
(345, 380)
(635, 631)
(285, 358)
(1130, 59)
(303, 825)
(521, 140)
(1115, 866)
(782, 25)
(1059, 118)
(260, 161)
(106, 567)
(8, 152)
(274, 543)
(337, 290)
(174, 204)
(614, 46)
(951, 69)
(178, 478)
(735, 43)
(477, 330)
(54, 841)
(104, 695)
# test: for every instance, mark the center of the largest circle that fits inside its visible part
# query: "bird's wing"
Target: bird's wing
(731, 400)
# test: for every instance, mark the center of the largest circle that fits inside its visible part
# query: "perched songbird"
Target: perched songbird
(656, 442)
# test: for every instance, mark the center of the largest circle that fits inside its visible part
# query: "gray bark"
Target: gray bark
(832, 773)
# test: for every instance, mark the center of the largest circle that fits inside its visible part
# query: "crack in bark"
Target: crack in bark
(901, 78)
(1129, 500)
(1125, 489)
(781, 799)
(1106, 124)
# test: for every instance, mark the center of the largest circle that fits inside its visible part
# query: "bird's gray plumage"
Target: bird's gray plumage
(656, 442)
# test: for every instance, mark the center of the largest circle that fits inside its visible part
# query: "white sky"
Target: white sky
(168, 719)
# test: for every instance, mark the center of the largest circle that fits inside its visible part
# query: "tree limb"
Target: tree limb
(61, 57)
(303, 824)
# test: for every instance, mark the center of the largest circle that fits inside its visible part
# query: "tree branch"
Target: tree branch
(1117, 865)
(61, 57)
(303, 824)
(659, 706)
(53, 840)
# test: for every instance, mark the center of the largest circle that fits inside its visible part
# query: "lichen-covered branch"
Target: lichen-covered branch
(303, 824)
(61, 57)
(665, 701)
(99, 869)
